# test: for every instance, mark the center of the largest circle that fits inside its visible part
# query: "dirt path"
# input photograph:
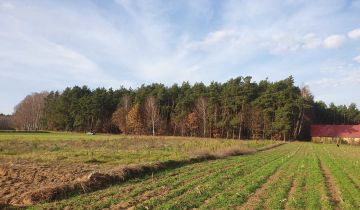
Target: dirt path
(332, 189)
(294, 186)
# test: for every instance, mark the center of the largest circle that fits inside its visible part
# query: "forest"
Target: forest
(238, 109)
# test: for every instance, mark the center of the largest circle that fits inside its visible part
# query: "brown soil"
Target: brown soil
(17, 178)
(294, 186)
(331, 187)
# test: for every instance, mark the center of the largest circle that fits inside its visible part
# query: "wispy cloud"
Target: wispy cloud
(334, 41)
(354, 34)
(52, 44)
(6, 5)
(357, 59)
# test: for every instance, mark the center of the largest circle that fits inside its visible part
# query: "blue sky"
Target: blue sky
(49, 45)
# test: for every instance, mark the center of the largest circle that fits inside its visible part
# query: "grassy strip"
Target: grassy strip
(348, 158)
(296, 198)
(108, 151)
(316, 194)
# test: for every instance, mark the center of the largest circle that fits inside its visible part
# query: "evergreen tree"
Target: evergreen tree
(238, 108)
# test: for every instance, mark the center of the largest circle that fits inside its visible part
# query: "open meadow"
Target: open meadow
(296, 175)
(108, 150)
(29, 161)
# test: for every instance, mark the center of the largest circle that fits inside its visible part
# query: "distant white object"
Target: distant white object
(90, 133)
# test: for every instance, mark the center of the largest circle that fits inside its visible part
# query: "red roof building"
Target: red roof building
(328, 133)
(343, 131)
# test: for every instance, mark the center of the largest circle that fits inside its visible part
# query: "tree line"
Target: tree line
(6, 122)
(239, 108)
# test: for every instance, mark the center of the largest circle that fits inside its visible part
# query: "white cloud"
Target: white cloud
(311, 41)
(146, 41)
(351, 78)
(282, 44)
(334, 41)
(357, 59)
(354, 34)
(6, 6)
(337, 85)
(68, 54)
(45, 60)
(220, 36)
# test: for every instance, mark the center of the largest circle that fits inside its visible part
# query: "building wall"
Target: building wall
(336, 140)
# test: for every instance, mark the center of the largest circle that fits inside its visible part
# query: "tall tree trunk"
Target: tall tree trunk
(126, 122)
(240, 130)
(153, 128)
(174, 130)
(284, 136)
(301, 124)
(297, 124)
(204, 121)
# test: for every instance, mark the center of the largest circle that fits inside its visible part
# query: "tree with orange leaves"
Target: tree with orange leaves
(135, 122)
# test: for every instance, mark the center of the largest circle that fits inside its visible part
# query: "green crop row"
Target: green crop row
(345, 184)
(292, 176)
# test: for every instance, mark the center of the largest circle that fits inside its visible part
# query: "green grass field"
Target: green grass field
(291, 176)
(108, 150)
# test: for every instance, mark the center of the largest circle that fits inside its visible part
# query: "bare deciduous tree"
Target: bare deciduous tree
(29, 112)
(152, 112)
(6, 122)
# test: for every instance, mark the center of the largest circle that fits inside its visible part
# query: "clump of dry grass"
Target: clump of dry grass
(270, 146)
(230, 151)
